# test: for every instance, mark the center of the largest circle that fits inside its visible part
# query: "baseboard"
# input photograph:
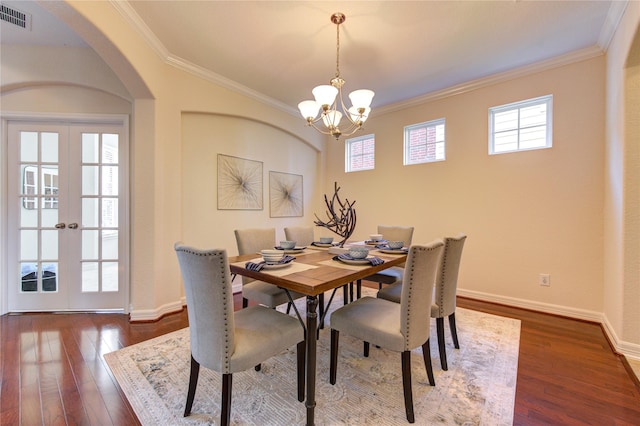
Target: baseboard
(627, 349)
(548, 308)
(147, 315)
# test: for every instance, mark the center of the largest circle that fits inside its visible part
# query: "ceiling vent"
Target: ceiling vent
(15, 17)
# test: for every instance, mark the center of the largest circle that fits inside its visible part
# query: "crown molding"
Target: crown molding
(558, 61)
(616, 10)
(615, 13)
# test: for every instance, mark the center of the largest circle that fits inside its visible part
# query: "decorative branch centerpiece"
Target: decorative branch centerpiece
(342, 216)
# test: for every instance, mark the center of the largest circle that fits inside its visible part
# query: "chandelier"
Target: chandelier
(328, 96)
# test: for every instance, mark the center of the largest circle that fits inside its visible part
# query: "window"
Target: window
(521, 125)
(424, 142)
(360, 153)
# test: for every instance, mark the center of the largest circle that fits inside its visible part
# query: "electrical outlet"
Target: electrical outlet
(545, 280)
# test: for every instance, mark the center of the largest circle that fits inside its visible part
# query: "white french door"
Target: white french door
(66, 246)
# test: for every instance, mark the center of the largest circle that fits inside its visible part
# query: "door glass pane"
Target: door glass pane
(49, 187)
(28, 216)
(89, 276)
(29, 276)
(109, 244)
(110, 148)
(90, 148)
(110, 276)
(50, 276)
(49, 147)
(109, 180)
(49, 217)
(28, 244)
(110, 212)
(89, 244)
(89, 180)
(50, 244)
(89, 212)
(28, 146)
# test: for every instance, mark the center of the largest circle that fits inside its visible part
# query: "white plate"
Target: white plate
(276, 265)
(356, 261)
(323, 244)
(393, 251)
(292, 251)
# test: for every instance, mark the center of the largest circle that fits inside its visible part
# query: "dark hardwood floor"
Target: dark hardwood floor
(53, 371)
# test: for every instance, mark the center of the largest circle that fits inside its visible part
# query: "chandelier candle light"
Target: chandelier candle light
(325, 99)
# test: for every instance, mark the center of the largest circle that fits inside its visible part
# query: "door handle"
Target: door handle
(73, 225)
(60, 226)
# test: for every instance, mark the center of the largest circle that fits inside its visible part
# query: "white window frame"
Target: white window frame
(349, 156)
(520, 129)
(427, 125)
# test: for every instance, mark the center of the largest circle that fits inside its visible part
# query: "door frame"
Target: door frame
(62, 119)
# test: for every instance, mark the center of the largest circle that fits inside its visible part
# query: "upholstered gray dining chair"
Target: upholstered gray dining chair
(302, 235)
(398, 327)
(393, 274)
(222, 340)
(444, 304)
(252, 240)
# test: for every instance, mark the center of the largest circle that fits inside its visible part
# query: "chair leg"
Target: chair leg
(288, 308)
(345, 294)
(302, 352)
(406, 385)
(426, 355)
(359, 289)
(245, 303)
(193, 383)
(441, 344)
(454, 332)
(366, 350)
(258, 367)
(321, 309)
(333, 359)
(225, 415)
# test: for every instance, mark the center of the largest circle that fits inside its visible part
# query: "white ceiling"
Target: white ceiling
(401, 50)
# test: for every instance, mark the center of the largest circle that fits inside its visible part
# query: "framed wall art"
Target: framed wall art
(239, 183)
(285, 194)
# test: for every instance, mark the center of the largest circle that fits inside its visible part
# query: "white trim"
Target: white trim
(155, 314)
(629, 350)
(559, 61)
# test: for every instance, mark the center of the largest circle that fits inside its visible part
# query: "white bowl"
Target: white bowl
(396, 244)
(272, 255)
(287, 244)
(358, 252)
(375, 237)
(326, 240)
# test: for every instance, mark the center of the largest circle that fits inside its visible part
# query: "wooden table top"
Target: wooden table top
(314, 271)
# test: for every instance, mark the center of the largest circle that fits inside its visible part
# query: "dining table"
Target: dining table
(314, 271)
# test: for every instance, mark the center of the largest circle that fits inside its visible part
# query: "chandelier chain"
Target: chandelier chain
(338, 50)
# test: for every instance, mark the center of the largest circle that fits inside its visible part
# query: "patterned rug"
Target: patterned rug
(478, 389)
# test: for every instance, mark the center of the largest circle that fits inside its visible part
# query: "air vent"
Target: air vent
(15, 17)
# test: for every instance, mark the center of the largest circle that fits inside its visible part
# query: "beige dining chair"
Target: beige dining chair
(444, 304)
(302, 235)
(393, 274)
(251, 241)
(222, 340)
(399, 327)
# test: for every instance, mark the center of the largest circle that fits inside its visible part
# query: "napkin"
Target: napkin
(252, 266)
(373, 260)
(386, 247)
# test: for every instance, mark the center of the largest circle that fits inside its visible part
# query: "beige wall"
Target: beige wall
(622, 185)
(524, 213)
(204, 136)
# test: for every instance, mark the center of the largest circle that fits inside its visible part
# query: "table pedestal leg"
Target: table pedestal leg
(312, 322)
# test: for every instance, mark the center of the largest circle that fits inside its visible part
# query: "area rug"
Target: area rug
(478, 388)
